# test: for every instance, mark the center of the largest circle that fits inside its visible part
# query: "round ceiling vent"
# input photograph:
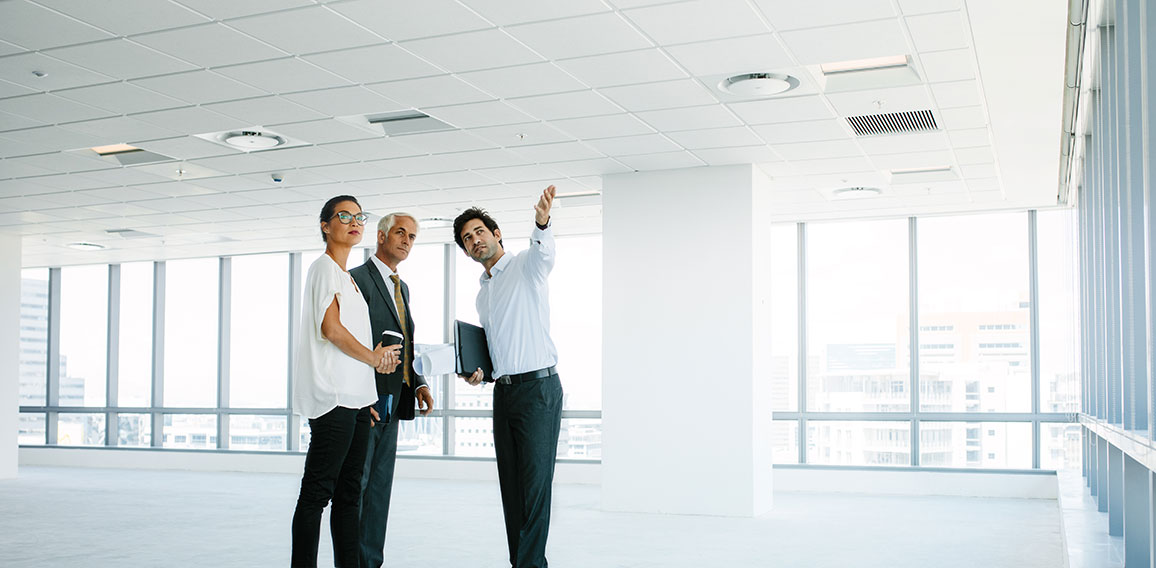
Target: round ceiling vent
(856, 192)
(758, 84)
(252, 140)
(436, 223)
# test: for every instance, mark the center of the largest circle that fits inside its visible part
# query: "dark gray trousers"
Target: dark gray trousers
(527, 420)
(377, 485)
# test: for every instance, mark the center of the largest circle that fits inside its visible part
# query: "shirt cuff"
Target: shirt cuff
(419, 387)
(539, 231)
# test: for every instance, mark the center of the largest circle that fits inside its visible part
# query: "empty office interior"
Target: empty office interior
(837, 283)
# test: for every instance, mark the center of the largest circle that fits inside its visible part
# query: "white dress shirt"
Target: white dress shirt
(514, 306)
(325, 376)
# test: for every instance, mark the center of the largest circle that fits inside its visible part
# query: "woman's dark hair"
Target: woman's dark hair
(330, 209)
(469, 215)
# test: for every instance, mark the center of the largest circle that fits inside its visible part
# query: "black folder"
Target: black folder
(471, 350)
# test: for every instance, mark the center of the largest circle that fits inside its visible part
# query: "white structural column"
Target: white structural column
(9, 353)
(686, 410)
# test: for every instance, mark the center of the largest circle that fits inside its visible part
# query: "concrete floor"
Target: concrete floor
(119, 518)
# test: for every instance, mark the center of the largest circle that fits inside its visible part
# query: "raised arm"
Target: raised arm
(542, 238)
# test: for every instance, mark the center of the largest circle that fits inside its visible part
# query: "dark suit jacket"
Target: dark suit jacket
(383, 316)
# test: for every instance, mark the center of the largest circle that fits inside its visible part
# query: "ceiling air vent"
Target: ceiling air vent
(406, 122)
(893, 122)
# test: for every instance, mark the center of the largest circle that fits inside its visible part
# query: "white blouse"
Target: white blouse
(325, 376)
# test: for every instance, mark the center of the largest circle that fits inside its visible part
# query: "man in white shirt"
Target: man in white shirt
(389, 314)
(514, 306)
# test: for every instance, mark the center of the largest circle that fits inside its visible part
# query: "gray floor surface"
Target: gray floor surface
(119, 518)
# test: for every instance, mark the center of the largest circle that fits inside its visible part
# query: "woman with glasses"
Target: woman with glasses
(334, 388)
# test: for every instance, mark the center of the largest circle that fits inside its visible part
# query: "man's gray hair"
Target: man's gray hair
(386, 223)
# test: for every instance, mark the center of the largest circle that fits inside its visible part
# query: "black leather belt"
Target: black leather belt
(519, 378)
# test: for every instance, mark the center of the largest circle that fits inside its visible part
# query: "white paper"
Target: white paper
(434, 359)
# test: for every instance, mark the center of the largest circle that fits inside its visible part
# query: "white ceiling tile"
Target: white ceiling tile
(304, 157)
(566, 105)
(701, 20)
(186, 148)
(225, 9)
(803, 131)
(962, 118)
(305, 30)
(603, 126)
(210, 45)
(123, 176)
(560, 152)
(57, 74)
(601, 166)
(476, 115)
(516, 174)
(265, 111)
(662, 161)
(72, 199)
(507, 12)
(8, 89)
(977, 155)
(489, 158)
(442, 142)
(399, 21)
(121, 129)
(121, 98)
(521, 134)
(120, 58)
(471, 51)
(818, 150)
(345, 101)
(51, 109)
(373, 149)
(326, 131)
(353, 172)
(734, 55)
(879, 38)
(373, 64)
(715, 138)
(691, 118)
(903, 143)
(452, 179)
(957, 94)
(14, 168)
(9, 49)
(122, 209)
(831, 166)
(74, 161)
(937, 32)
(128, 17)
(193, 120)
(36, 27)
(910, 7)
(64, 182)
(912, 160)
(983, 184)
(970, 137)
(736, 155)
(283, 76)
(628, 68)
(431, 92)
(943, 66)
(563, 39)
(236, 164)
(178, 188)
(871, 101)
(791, 109)
(656, 96)
(417, 165)
(10, 121)
(978, 171)
(523, 80)
(199, 87)
(796, 15)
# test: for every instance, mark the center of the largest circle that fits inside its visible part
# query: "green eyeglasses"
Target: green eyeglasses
(346, 218)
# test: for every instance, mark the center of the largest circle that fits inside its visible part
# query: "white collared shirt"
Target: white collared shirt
(514, 306)
(386, 272)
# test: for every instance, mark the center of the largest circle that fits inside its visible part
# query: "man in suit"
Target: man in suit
(388, 299)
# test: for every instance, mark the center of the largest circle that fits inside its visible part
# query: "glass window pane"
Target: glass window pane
(1000, 445)
(424, 273)
(191, 335)
(580, 439)
(136, 335)
(259, 332)
(857, 317)
(191, 431)
(973, 314)
(785, 318)
(1059, 311)
(421, 436)
(303, 443)
(1060, 446)
(785, 441)
(576, 320)
(83, 335)
(33, 337)
(473, 436)
(262, 433)
(32, 431)
(134, 430)
(80, 429)
(858, 443)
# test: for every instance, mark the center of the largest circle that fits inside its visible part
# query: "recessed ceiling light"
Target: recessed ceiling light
(871, 64)
(758, 84)
(252, 140)
(114, 149)
(435, 223)
(85, 246)
(39, 74)
(856, 192)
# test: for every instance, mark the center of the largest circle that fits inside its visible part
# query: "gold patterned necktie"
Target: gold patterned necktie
(399, 301)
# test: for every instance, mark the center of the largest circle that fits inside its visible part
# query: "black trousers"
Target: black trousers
(527, 420)
(333, 468)
(377, 486)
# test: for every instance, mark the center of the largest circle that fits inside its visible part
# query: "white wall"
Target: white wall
(9, 353)
(685, 422)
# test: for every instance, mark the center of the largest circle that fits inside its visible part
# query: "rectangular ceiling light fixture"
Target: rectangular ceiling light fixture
(923, 175)
(406, 122)
(114, 149)
(856, 65)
